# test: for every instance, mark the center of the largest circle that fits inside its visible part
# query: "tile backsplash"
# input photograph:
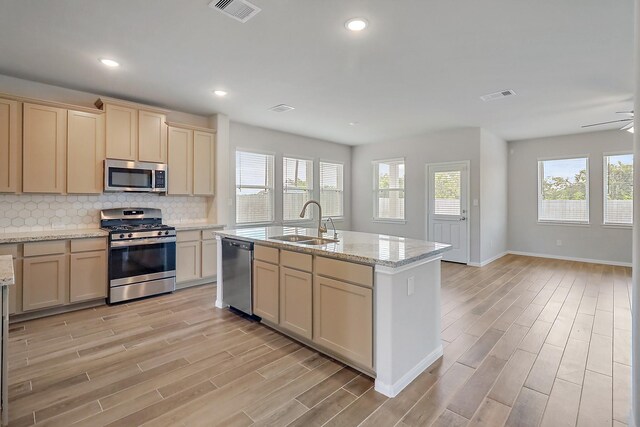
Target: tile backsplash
(37, 212)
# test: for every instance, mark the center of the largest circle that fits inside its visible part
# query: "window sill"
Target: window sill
(389, 221)
(255, 224)
(623, 226)
(562, 223)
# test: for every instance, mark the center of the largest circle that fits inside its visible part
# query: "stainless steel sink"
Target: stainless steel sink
(316, 241)
(293, 238)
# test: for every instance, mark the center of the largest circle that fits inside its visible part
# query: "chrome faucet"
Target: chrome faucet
(321, 228)
(335, 233)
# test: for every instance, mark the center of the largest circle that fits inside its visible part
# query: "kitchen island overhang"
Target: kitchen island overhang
(405, 296)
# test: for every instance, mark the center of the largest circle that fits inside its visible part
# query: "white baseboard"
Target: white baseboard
(488, 261)
(568, 258)
(392, 390)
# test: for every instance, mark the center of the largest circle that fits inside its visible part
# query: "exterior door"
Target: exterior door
(448, 217)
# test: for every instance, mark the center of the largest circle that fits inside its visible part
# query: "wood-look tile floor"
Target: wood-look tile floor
(527, 341)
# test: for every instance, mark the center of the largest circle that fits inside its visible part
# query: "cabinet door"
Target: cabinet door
(187, 261)
(152, 137)
(204, 151)
(343, 319)
(266, 290)
(85, 152)
(180, 161)
(44, 146)
(121, 132)
(296, 301)
(9, 146)
(88, 276)
(44, 282)
(209, 258)
(15, 291)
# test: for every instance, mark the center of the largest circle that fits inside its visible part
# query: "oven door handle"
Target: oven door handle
(142, 242)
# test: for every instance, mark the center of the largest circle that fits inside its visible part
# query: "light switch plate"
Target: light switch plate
(475, 202)
(411, 285)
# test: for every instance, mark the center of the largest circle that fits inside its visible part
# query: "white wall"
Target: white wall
(285, 144)
(634, 418)
(593, 241)
(448, 146)
(493, 196)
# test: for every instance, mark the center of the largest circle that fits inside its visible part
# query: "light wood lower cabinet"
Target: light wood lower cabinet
(188, 261)
(88, 277)
(296, 289)
(266, 290)
(209, 258)
(343, 319)
(45, 282)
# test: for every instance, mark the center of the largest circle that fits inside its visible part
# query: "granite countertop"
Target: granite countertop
(366, 248)
(39, 236)
(185, 226)
(6, 270)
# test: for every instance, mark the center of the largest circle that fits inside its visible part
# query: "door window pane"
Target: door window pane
(447, 193)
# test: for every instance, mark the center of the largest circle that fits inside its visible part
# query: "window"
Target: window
(618, 189)
(332, 189)
(297, 187)
(563, 190)
(388, 177)
(447, 193)
(254, 187)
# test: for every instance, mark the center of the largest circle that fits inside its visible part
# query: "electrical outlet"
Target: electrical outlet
(558, 242)
(475, 202)
(411, 285)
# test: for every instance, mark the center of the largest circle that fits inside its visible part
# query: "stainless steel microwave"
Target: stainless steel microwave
(123, 175)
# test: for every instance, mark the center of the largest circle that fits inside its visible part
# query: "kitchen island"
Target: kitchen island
(369, 300)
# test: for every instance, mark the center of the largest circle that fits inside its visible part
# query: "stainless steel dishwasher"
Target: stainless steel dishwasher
(237, 256)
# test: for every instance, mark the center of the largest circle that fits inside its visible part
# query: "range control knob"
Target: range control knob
(122, 236)
(159, 233)
(130, 235)
(166, 233)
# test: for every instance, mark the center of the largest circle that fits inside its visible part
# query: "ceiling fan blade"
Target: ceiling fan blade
(606, 123)
(625, 112)
(627, 126)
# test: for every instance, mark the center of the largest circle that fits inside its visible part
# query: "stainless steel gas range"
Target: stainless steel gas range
(142, 253)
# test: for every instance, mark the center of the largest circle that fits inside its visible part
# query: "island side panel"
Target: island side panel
(219, 283)
(407, 327)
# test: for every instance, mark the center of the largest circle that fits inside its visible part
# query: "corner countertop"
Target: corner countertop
(6, 270)
(40, 236)
(365, 248)
(186, 226)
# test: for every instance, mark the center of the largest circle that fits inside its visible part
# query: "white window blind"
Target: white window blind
(332, 189)
(447, 193)
(254, 187)
(618, 189)
(563, 190)
(297, 187)
(388, 177)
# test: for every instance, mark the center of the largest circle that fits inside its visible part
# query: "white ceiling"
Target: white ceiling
(420, 66)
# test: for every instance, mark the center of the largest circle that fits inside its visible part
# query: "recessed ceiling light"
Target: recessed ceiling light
(220, 92)
(353, 123)
(109, 62)
(356, 24)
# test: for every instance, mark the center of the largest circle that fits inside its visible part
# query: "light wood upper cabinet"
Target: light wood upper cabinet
(209, 258)
(296, 294)
(88, 276)
(204, 150)
(152, 137)
(343, 319)
(188, 261)
(266, 290)
(121, 132)
(9, 146)
(180, 161)
(44, 282)
(85, 152)
(44, 149)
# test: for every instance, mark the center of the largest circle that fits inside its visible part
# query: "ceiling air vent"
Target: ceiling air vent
(498, 95)
(240, 10)
(281, 108)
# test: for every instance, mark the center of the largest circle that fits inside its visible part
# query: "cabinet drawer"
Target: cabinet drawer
(45, 248)
(188, 236)
(265, 253)
(85, 245)
(343, 270)
(296, 260)
(9, 250)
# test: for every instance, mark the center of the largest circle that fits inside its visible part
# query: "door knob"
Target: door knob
(463, 218)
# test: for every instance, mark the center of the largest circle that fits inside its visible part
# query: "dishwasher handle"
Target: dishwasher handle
(240, 244)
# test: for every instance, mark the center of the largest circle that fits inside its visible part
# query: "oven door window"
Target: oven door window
(130, 178)
(132, 261)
